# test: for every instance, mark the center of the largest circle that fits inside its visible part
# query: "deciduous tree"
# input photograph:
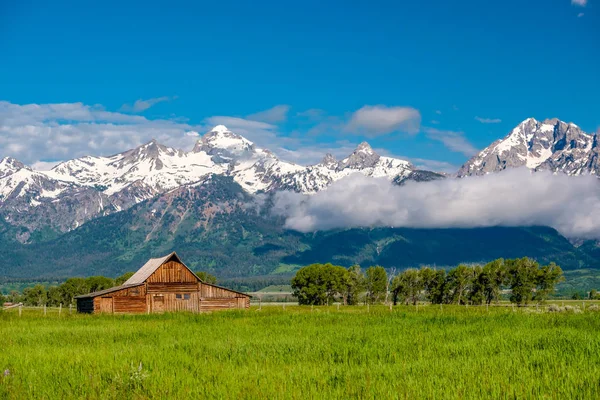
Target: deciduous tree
(376, 283)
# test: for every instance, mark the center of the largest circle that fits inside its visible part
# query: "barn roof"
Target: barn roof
(148, 269)
(144, 273)
(106, 291)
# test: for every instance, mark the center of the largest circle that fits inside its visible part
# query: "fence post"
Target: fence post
(59, 309)
(70, 307)
(311, 307)
(513, 307)
(20, 308)
(338, 306)
(44, 310)
(390, 307)
(487, 308)
(368, 307)
(283, 306)
(259, 304)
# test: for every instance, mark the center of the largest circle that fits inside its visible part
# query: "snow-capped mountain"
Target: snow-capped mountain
(551, 145)
(81, 189)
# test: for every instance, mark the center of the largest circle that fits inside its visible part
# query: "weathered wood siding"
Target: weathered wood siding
(171, 272)
(208, 290)
(172, 287)
(167, 302)
(130, 300)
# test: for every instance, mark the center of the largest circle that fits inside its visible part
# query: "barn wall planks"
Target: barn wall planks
(172, 271)
(132, 304)
(185, 287)
(208, 290)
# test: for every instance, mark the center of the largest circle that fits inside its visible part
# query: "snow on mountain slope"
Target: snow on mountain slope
(18, 180)
(84, 188)
(549, 145)
(363, 160)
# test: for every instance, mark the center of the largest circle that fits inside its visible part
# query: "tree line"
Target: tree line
(66, 292)
(523, 279)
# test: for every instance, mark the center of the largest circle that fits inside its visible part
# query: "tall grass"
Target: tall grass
(298, 353)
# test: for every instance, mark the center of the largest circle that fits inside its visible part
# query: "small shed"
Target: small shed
(162, 284)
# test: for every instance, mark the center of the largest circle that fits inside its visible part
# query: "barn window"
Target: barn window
(135, 292)
(186, 296)
(178, 296)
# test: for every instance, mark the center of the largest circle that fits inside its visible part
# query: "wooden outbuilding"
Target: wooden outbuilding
(162, 285)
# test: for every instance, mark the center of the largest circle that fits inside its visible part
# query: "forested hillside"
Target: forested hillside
(219, 228)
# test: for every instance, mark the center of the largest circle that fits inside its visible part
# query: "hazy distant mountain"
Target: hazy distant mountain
(551, 145)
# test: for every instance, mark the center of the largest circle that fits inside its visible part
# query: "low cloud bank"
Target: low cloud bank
(516, 197)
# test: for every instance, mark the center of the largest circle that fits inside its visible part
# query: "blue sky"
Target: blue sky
(330, 72)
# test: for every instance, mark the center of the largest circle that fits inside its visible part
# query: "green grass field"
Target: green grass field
(457, 352)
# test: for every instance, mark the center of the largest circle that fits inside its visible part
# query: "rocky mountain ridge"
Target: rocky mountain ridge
(78, 190)
(549, 145)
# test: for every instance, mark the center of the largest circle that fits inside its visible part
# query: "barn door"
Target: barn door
(158, 303)
(106, 305)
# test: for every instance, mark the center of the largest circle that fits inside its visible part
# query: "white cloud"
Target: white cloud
(238, 123)
(488, 120)
(438, 112)
(44, 165)
(580, 15)
(580, 3)
(53, 132)
(272, 115)
(142, 105)
(379, 120)
(454, 141)
(512, 198)
(312, 114)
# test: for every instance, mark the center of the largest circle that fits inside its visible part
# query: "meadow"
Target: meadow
(449, 352)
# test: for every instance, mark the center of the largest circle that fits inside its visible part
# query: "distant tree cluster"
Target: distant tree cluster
(594, 295)
(65, 293)
(525, 279)
(206, 277)
(320, 284)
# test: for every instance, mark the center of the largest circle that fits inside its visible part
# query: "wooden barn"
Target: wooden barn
(161, 285)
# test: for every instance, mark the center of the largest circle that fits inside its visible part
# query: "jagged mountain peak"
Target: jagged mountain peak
(552, 145)
(224, 145)
(9, 166)
(329, 161)
(362, 157)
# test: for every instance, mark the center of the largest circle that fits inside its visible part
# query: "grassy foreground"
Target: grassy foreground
(456, 352)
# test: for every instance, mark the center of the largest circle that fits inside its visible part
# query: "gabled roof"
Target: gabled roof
(107, 291)
(152, 265)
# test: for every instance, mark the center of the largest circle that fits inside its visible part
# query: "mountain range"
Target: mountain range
(109, 213)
